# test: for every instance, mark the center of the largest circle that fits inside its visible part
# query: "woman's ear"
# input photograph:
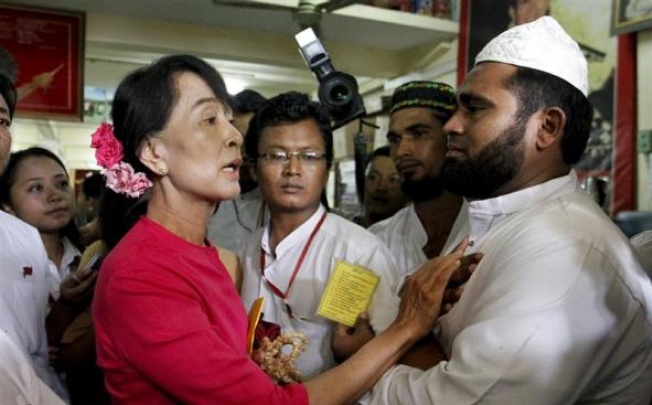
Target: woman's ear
(552, 127)
(153, 154)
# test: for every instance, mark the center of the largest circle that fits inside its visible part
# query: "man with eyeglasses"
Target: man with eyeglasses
(289, 260)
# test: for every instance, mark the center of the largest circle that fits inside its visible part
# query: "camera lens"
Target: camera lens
(337, 90)
(340, 93)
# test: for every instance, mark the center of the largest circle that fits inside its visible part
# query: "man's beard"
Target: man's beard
(479, 177)
(425, 189)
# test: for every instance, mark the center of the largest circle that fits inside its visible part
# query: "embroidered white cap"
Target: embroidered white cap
(542, 45)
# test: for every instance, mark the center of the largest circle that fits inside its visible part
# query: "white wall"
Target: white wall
(70, 141)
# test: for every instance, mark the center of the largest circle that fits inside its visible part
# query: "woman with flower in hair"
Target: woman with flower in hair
(170, 325)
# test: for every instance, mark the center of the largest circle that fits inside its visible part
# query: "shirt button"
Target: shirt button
(471, 243)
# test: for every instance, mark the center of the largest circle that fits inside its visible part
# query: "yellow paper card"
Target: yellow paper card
(348, 292)
(254, 318)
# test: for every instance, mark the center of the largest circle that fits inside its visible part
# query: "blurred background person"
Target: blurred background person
(236, 219)
(88, 205)
(382, 196)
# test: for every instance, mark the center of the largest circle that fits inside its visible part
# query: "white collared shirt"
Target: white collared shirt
(19, 384)
(337, 239)
(57, 274)
(557, 311)
(405, 237)
(24, 291)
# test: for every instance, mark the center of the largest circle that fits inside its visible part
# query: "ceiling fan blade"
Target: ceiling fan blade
(249, 4)
(333, 5)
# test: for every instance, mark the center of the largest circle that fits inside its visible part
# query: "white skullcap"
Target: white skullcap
(542, 45)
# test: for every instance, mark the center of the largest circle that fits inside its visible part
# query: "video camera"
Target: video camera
(338, 91)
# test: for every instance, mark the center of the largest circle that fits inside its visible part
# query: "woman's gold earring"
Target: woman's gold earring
(162, 171)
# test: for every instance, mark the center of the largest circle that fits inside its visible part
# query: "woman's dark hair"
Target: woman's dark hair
(535, 90)
(289, 108)
(141, 107)
(8, 91)
(93, 185)
(7, 180)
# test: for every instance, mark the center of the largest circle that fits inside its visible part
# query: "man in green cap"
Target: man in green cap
(416, 233)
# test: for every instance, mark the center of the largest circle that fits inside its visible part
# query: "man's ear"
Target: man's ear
(153, 154)
(552, 127)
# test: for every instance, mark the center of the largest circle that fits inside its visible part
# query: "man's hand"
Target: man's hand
(346, 341)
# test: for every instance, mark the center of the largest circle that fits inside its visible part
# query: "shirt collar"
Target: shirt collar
(484, 213)
(299, 235)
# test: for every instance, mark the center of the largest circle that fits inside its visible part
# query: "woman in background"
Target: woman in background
(36, 188)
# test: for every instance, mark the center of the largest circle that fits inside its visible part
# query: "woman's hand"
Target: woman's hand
(423, 292)
(454, 289)
(77, 287)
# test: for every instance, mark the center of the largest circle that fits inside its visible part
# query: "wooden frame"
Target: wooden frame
(43, 52)
(630, 16)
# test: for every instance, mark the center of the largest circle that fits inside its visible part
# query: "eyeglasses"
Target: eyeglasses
(283, 156)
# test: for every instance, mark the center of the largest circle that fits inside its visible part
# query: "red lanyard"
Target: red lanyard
(277, 291)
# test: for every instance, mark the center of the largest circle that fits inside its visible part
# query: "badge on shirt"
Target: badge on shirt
(27, 271)
(348, 292)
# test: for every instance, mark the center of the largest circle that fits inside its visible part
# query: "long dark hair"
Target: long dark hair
(7, 180)
(142, 105)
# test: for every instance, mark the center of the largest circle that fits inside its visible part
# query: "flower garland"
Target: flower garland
(120, 176)
(272, 354)
(278, 363)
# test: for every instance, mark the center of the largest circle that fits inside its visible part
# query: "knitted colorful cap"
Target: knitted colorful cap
(437, 96)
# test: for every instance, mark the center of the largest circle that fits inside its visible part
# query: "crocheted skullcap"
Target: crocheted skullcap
(541, 45)
(437, 96)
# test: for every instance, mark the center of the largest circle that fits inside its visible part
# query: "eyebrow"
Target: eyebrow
(56, 176)
(411, 128)
(467, 98)
(207, 100)
(4, 110)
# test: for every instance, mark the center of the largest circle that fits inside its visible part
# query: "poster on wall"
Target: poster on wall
(588, 23)
(41, 50)
(630, 16)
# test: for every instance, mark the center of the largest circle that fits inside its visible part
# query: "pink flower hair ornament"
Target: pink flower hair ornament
(120, 176)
